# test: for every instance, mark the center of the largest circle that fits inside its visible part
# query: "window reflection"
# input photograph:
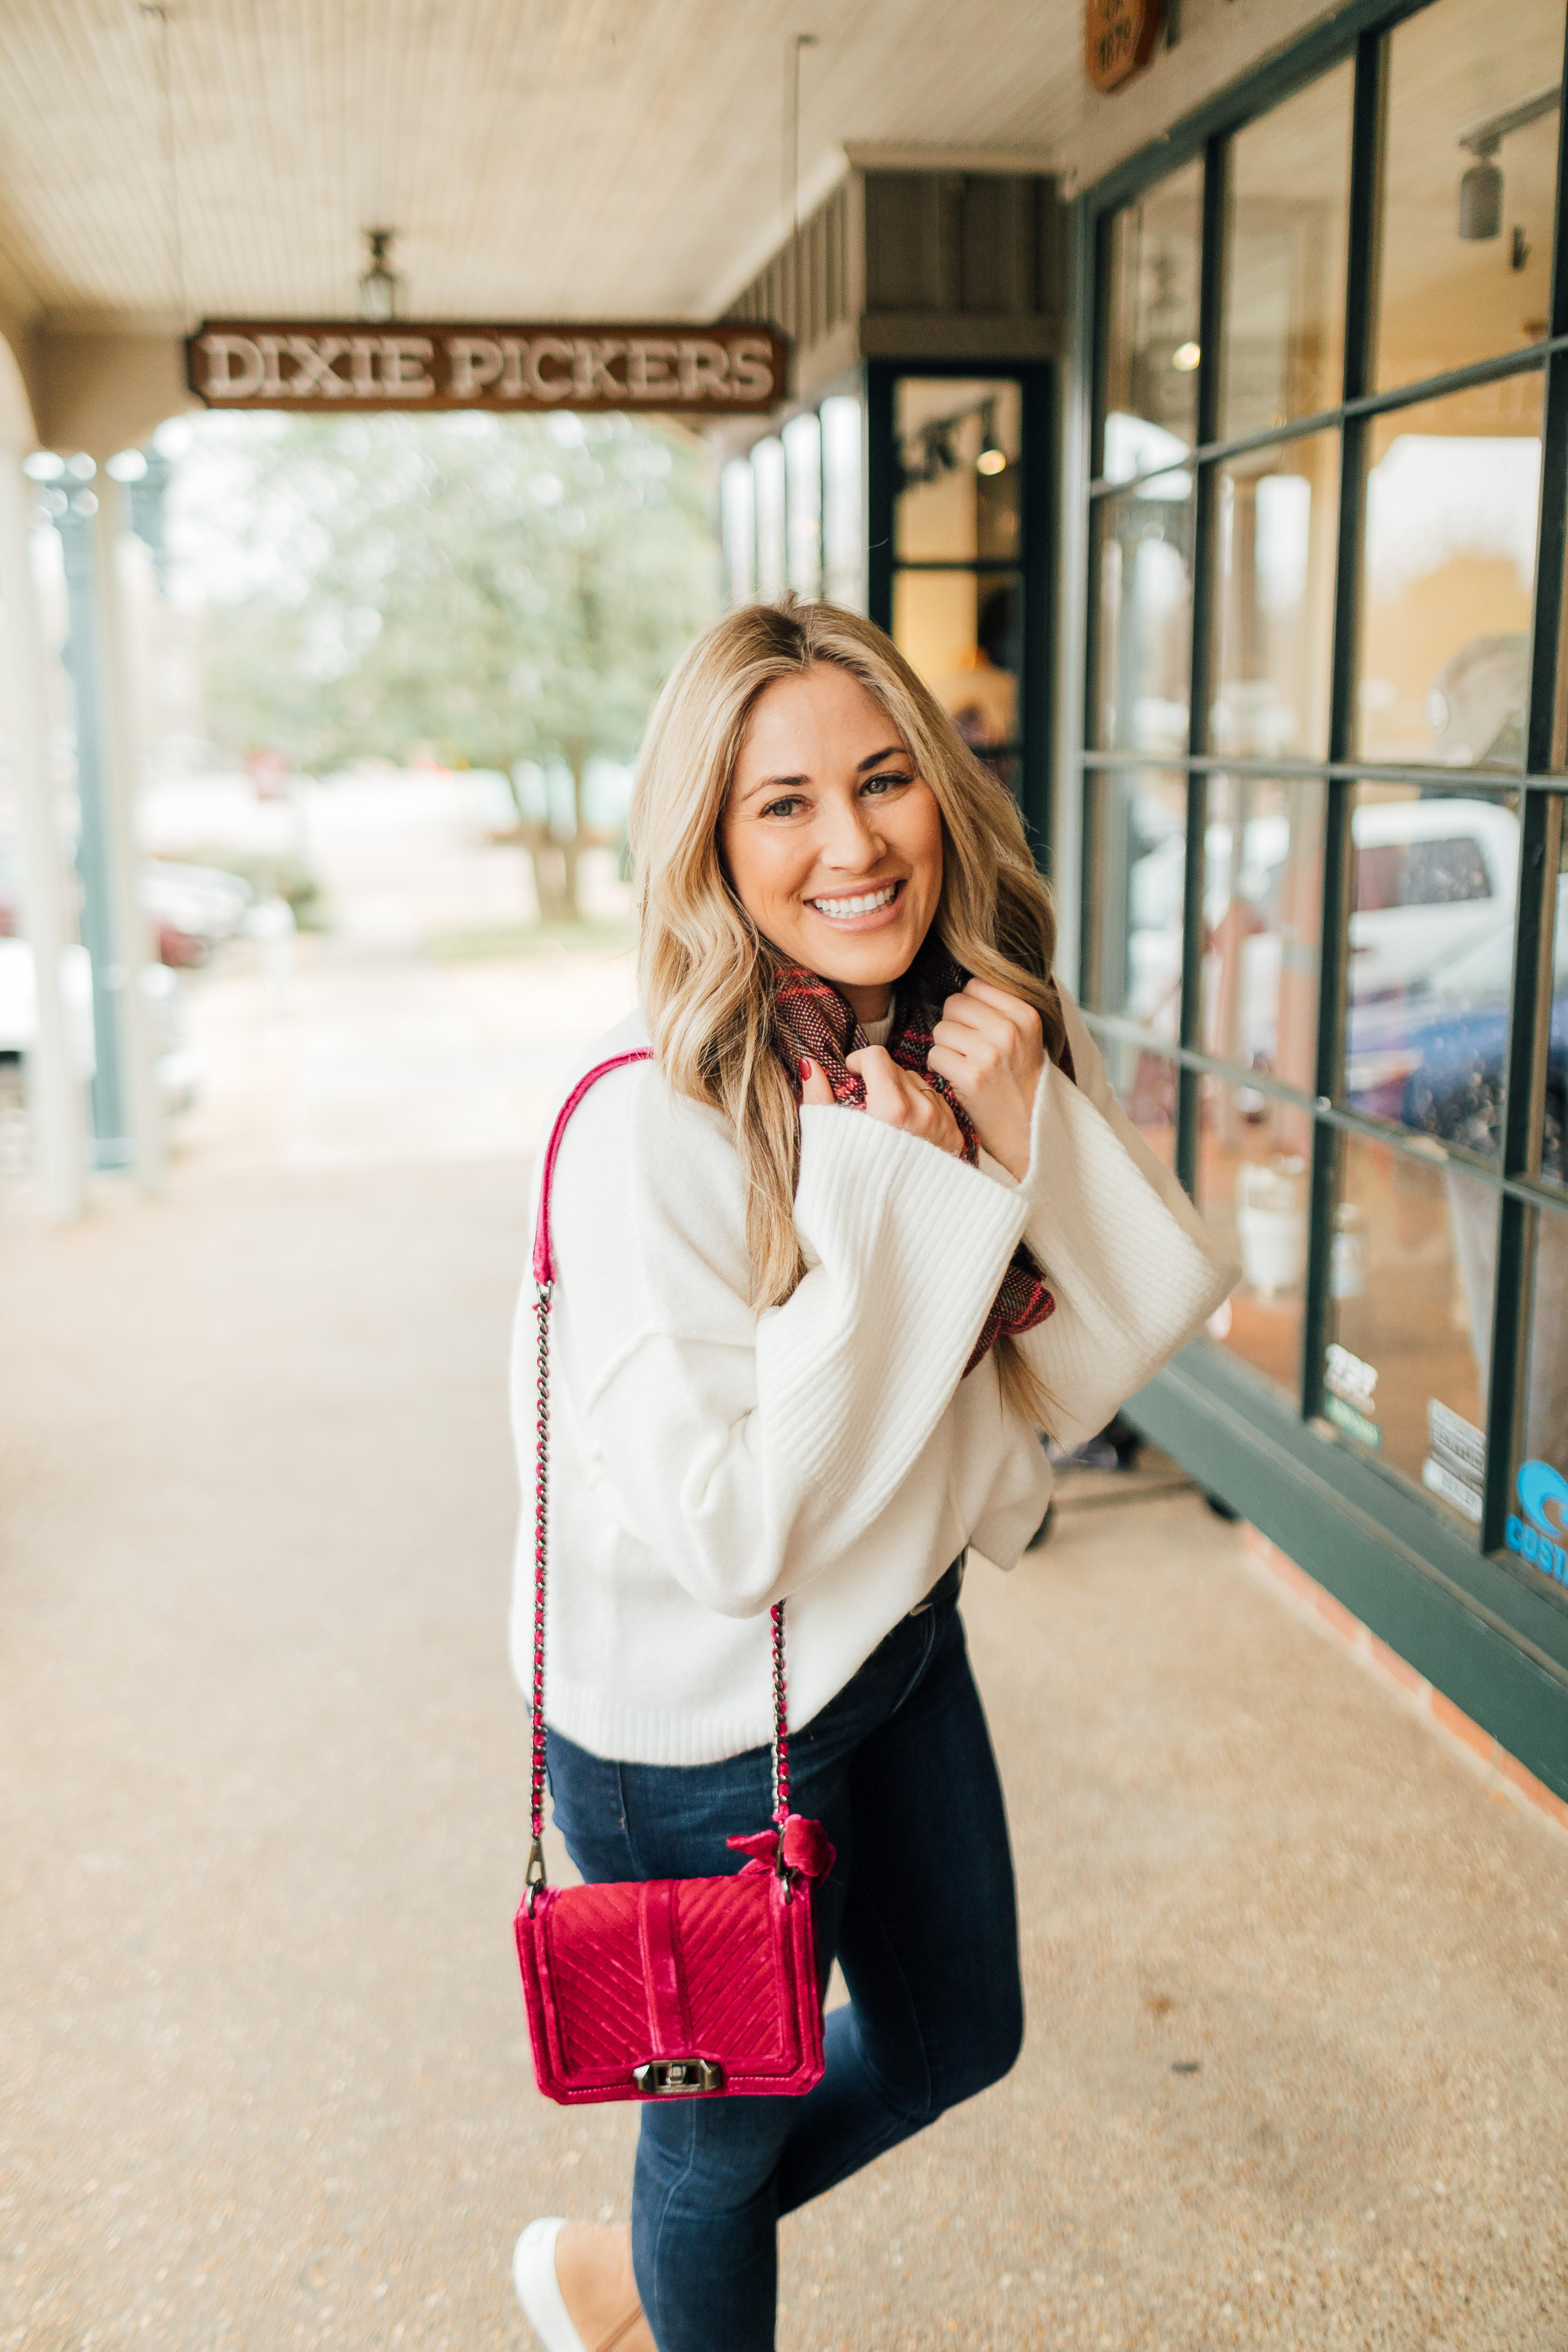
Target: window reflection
(1435, 884)
(1263, 878)
(1144, 1083)
(1277, 517)
(803, 503)
(1288, 200)
(1152, 327)
(959, 469)
(1451, 512)
(1144, 653)
(1411, 1274)
(1469, 187)
(1139, 819)
(1252, 1159)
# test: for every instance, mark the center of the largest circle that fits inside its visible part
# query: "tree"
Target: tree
(499, 589)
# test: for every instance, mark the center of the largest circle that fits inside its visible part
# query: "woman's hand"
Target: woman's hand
(989, 1047)
(894, 1096)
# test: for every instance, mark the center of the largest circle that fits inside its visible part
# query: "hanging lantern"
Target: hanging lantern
(381, 289)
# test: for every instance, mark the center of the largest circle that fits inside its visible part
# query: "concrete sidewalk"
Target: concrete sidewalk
(1298, 1983)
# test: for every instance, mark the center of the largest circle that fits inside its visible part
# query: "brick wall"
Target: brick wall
(1477, 1747)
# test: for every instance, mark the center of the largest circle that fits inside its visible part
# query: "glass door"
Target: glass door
(958, 555)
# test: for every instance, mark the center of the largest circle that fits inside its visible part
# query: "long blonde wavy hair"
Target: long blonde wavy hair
(706, 972)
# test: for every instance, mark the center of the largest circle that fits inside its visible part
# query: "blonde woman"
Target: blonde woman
(826, 1265)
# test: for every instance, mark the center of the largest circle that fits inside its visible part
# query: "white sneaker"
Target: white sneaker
(538, 2289)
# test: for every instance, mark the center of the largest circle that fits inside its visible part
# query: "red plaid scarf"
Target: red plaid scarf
(811, 1018)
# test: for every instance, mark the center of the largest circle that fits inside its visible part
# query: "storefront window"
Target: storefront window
(1288, 204)
(1334, 644)
(803, 503)
(1263, 883)
(791, 515)
(1151, 362)
(1143, 654)
(1276, 536)
(737, 512)
(1253, 1166)
(1470, 185)
(1139, 822)
(768, 490)
(1452, 500)
(1434, 886)
(842, 499)
(1411, 1276)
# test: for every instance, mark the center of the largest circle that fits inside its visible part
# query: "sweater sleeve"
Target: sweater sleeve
(1130, 1261)
(751, 1451)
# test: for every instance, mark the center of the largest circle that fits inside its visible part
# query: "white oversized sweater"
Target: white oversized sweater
(707, 1459)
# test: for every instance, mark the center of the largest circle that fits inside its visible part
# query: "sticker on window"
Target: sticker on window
(1539, 1536)
(1456, 1460)
(1352, 1390)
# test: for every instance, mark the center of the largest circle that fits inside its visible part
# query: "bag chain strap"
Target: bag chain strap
(535, 1876)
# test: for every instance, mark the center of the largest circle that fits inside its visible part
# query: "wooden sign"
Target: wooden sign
(331, 368)
(1119, 35)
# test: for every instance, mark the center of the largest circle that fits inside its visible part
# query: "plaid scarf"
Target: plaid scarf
(811, 1018)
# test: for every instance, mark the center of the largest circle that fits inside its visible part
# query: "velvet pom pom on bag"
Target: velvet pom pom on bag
(673, 1988)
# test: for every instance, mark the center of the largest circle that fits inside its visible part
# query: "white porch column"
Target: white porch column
(54, 1088)
(139, 1044)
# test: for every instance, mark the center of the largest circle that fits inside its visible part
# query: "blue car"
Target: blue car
(1433, 1057)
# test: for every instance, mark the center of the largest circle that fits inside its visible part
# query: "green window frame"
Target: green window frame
(1485, 1626)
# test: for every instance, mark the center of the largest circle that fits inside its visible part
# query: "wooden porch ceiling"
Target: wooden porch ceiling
(536, 157)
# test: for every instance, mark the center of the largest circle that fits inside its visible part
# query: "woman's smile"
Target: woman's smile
(832, 838)
(865, 911)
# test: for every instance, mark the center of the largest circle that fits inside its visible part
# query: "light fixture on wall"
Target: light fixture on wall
(1480, 186)
(1186, 357)
(381, 289)
(1480, 198)
(993, 458)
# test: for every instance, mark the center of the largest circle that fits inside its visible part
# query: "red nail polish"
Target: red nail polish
(805, 1072)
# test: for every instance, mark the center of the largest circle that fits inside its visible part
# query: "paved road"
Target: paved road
(1296, 2058)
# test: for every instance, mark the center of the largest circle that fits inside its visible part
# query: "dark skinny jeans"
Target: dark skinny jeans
(920, 1913)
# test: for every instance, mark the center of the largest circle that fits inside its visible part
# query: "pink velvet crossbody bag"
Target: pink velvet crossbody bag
(683, 1988)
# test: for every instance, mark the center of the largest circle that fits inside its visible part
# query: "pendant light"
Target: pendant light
(381, 289)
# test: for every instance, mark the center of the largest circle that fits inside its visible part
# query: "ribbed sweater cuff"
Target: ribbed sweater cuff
(876, 1197)
(1098, 1221)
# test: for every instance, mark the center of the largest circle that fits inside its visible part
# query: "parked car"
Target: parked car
(193, 913)
(19, 1001)
(177, 1063)
(193, 908)
(1433, 877)
(1434, 1058)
